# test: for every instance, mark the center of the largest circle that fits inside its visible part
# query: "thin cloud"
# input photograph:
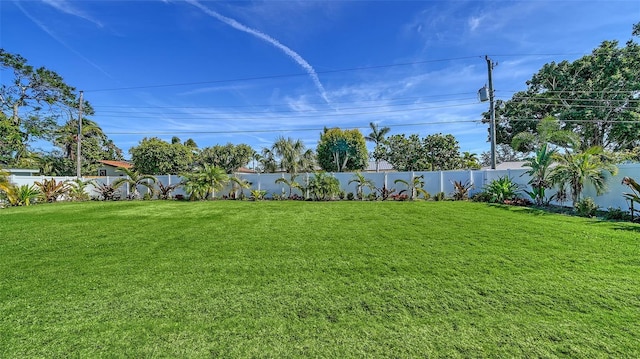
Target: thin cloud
(294, 55)
(58, 39)
(66, 7)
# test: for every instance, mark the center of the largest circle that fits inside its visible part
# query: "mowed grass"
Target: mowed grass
(300, 279)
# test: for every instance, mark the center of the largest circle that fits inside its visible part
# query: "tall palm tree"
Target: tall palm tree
(66, 137)
(576, 169)
(377, 136)
(539, 171)
(267, 161)
(133, 180)
(291, 153)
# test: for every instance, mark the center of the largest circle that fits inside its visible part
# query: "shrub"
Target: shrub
(481, 197)
(586, 207)
(350, 196)
(258, 194)
(461, 190)
(106, 192)
(617, 214)
(502, 189)
(440, 196)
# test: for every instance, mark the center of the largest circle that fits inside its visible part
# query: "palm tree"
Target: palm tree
(66, 137)
(267, 161)
(133, 180)
(470, 161)
(238, 184)
(414, 187)
(291, 152)
(377, 136)
(361, 182)
(203, 183)
(575, 169)
(291, 183)
(539, 171)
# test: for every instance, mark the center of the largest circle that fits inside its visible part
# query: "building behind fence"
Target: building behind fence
(434, 182)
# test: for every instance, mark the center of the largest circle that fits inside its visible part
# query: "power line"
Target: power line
(268, 77)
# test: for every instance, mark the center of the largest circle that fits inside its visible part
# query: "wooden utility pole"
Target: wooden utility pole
(492, 113)
(79, 145)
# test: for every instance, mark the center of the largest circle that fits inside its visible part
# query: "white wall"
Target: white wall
(437, 181)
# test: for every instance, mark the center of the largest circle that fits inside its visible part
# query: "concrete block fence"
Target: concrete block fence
(435, 181)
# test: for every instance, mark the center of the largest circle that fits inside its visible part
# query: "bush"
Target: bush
(617, 214)
(502, 189)
(440, 196)
(350, 196)
(481, 197)
(586, 207)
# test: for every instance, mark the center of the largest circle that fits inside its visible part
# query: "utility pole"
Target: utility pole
(492, 113)
(78, 154)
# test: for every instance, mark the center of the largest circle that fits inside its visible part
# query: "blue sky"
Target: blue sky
(250, 71)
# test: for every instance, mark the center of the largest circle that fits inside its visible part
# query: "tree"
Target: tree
(133, 180)
(31, 103)
(291, 183)
(361, 182)
(469, 161)
(4, 181)
(229, 157)
(404, 153)
(539, 170)
(95, 147)
(442, 151)
(504, 153)
(342, 150)
(377, 136)
(575, 169)
(267, 161)
(204, 182)
(594, 96)
(154, 156)
(414, 187)
(291, 155)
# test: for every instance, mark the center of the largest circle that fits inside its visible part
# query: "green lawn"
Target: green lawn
(308, 279)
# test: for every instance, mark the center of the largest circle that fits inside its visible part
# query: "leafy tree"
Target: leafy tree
(361, 182)
(504, 153)
(575, 169)
(156, 157)
(229, 157)
(133, 180)
(290, 155)
(31, 102)
(594, 96)
(377, 136)
(442, 152)
(342, 150)
(405, 153)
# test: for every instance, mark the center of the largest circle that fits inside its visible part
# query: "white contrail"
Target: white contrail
(294, 55)
(66, 7)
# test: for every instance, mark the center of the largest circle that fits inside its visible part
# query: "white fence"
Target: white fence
(437, 181)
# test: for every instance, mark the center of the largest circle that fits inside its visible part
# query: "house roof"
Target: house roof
(245, 170)
(122, 164)
(382, 166)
